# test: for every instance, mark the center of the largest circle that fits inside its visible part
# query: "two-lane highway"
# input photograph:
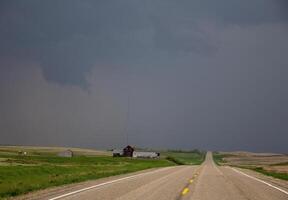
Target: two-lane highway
(205, 182)
(220, 183)
(161, 184)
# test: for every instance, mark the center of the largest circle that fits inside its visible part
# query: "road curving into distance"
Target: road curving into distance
(205, 182)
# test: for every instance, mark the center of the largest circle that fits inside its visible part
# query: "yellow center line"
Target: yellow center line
(185, 191)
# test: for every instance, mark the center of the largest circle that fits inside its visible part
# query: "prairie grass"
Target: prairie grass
(22, 174)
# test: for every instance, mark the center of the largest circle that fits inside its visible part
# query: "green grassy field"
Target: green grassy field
(42, 168)
(218, 158)
(283, 176)
(21, 174)
(185, 157)
(279, 175)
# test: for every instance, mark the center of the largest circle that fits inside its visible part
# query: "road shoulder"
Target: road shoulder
(269, 179)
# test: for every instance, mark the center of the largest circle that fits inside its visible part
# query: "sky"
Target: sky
(164, 74)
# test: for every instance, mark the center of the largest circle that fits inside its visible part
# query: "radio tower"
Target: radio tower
(127, 120)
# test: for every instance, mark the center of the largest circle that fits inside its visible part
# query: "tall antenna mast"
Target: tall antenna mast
(129, 91)
(127, 119)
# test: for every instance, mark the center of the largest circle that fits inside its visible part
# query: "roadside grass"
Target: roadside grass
(22, 174)
(175, 160)
(283, 176)
(279, 175)
(185, 157)
(219, 158)
(280, 164)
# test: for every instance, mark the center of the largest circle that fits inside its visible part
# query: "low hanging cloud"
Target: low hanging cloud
(34, 111)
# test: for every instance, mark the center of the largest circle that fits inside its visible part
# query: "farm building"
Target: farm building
(128, 151)
(68, 153)
(142, 154)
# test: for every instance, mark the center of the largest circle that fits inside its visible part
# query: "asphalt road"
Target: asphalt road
(205, 182)
(221, 183)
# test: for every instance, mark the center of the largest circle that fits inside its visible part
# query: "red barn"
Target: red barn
(128, 151)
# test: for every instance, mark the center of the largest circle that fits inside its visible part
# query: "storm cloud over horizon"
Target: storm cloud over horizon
(199, 74)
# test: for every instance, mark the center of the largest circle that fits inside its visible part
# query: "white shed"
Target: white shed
(68, 154)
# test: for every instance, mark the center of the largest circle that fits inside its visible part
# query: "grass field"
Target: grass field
(219, 158)
(185, 157)
(50, 151)
(283, 176)
(41, 168)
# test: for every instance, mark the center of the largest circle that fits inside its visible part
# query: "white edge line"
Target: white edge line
(277, 188)
(105, 183)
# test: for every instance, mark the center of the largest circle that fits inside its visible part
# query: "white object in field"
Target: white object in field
(143, 154)
(68, 153)
(24, 153)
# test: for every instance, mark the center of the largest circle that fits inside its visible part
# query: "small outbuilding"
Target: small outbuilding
(68, 154)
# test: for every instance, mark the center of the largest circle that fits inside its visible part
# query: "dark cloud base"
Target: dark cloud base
(200, 74)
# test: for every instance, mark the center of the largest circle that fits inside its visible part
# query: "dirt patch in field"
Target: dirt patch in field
(268, 161)
(279, 169)
(33, 150)
(255, 159)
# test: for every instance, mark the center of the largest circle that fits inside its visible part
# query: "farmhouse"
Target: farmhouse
(129, 151)
(126, 152)
(68, 154)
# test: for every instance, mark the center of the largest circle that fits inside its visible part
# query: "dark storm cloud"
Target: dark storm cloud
(209, 73)
(65, 35)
